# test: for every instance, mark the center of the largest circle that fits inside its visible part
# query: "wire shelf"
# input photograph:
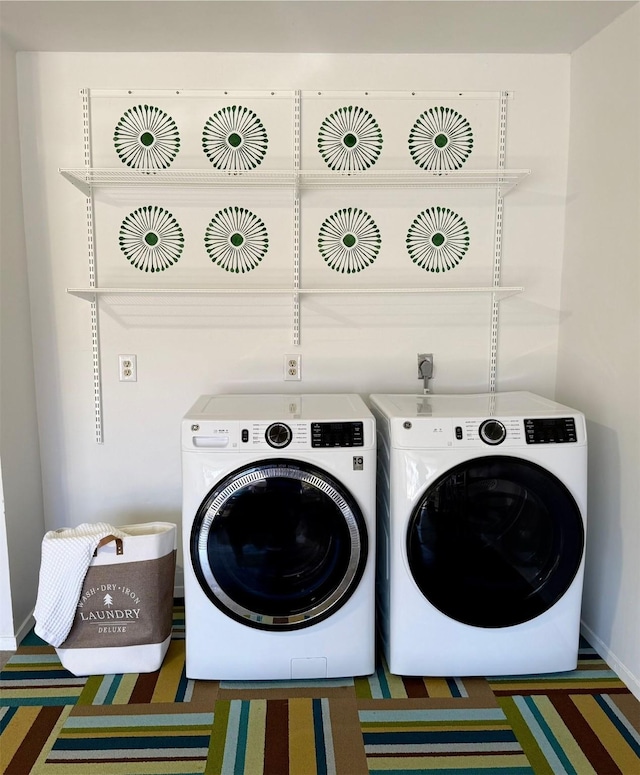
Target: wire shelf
(85, 178)
(90, 294)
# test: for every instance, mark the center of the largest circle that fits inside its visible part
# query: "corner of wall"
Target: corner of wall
(598, 370)
(22, 518)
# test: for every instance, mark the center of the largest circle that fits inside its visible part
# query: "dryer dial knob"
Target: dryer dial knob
(492, 432)
(278, 435)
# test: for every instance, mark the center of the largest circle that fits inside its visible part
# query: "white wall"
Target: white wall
(355, 345)
(21, 515)
(599, 353)
(365, 348)
(360, 344)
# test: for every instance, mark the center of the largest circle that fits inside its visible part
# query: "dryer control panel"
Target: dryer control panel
(550, 430)
(496, 432)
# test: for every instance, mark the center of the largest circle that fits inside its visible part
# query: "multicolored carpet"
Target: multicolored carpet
(156, 723)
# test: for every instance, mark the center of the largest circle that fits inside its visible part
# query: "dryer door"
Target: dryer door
(279, 545)
(495, 541)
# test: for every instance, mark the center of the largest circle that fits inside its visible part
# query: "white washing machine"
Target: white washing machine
(279, 536)
(481, 533)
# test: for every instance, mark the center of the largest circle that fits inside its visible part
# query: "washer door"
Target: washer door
(279, 545)
(496, 541)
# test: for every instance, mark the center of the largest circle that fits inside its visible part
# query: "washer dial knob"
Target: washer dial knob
(278, 435)
(492, 432)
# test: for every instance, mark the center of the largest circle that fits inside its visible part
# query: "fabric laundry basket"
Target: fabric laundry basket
(123, 618)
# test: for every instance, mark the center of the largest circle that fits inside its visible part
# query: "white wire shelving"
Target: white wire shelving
(87, 179)
(90, 294)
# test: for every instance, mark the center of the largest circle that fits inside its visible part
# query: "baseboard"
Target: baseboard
(632, 681)
(11, 644)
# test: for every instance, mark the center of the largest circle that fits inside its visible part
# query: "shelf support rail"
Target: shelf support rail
(95, 324)
(497, 252)
(296, 219)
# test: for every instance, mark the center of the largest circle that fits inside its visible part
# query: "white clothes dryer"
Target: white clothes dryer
(481, 533)
(279, 536)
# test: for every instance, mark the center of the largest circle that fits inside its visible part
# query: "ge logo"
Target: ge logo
(358, 463)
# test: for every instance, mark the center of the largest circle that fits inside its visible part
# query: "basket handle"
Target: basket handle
(107, 540)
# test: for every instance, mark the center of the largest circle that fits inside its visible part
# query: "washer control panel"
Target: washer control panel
(323, 434)
(337, 434)
(278, 435)
(273, 435)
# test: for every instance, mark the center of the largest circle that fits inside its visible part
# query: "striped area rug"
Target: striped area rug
(582, 722)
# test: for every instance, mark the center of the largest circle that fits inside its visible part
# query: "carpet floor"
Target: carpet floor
(581, 722)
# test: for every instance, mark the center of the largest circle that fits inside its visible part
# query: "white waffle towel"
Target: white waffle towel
(66, 556)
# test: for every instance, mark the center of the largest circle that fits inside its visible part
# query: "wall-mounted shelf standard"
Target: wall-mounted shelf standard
(88, 179)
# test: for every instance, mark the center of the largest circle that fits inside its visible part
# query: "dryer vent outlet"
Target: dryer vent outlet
(293, 367)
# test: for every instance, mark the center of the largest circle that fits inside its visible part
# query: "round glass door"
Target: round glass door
(495, 541)
(279, 545)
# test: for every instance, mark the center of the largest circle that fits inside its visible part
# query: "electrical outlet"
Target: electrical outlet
(293, 367)
(128, 368)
